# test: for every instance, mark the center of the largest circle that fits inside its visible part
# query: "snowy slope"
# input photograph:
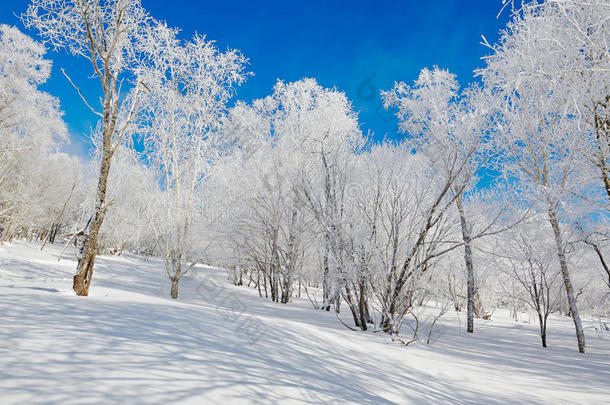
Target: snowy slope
(128, 342)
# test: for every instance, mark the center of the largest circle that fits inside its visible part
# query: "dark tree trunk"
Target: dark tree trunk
(88, 249)
(174, 290)
(368, 317)
(542, 320)
(54, 233)
(82, 279)
(326, 300)
(362, 307)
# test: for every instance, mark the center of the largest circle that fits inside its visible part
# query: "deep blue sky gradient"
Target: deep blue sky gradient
(359, 47)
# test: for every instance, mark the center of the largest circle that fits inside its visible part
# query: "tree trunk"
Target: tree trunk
(326, 300)
(337, 302)
(82, 279)
(354, 310)
(580, 335)
(367, 313)
(543, 336)
(258, 283)
(54, 233)
(542, 323)
(174, 290)
(469, 265)
(387, 319)
(479, 311)
(88, 249)
(362, 307)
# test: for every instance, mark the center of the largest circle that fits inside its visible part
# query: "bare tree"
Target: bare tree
(531, 264)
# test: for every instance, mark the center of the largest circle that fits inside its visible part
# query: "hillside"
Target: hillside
(129, 342)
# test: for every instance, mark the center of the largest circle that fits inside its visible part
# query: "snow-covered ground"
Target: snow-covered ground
(130, 343)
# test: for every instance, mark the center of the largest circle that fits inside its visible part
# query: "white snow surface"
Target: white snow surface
(128, 342)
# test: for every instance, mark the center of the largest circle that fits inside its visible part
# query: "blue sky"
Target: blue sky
(359, 47)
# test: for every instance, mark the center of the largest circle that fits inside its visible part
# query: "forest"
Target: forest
(496, 196)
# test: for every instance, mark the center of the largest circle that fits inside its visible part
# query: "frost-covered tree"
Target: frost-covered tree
(289, 187)
(31, 208)
(29, 117)
(389, 216)
(564, 45)
(189, 85)
(266, 224)
(528, 258)
(447, 128)
(109, 34)
(31, 131)
(324, 128)
(539, 138)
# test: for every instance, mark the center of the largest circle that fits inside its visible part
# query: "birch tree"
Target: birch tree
(538, 138)
(325, 128)
(447, 128)
(190, 85)
(108, 34)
